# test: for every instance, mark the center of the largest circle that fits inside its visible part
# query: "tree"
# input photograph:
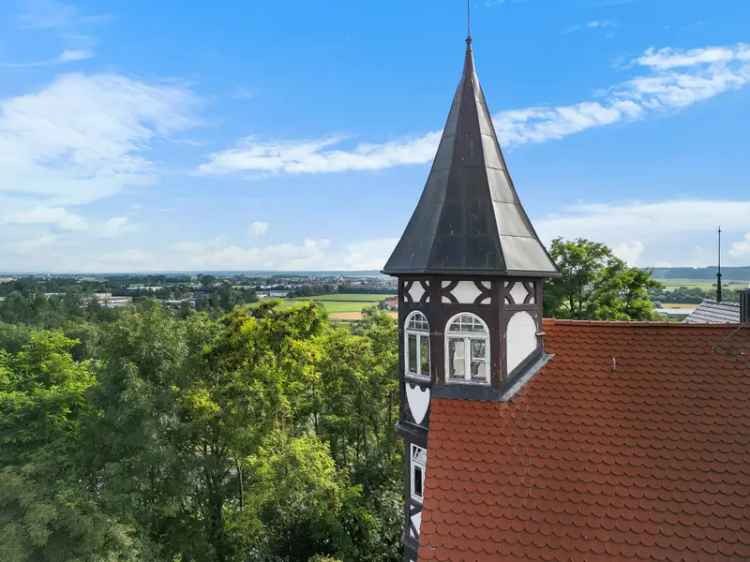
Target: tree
(595, 284)
(48, 512)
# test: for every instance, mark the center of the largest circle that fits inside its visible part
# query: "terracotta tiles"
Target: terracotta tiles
(644, 457)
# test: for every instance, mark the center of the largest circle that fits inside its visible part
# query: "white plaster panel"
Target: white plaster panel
(521, 340)
(466, 292)
(518, 292)
(416, 291)
(416, 520)
(418, 400)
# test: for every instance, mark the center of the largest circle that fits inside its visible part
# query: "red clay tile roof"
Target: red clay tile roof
(649, 461)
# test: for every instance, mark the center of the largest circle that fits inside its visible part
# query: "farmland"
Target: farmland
(343, 307)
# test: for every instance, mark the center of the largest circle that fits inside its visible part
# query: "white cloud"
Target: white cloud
(319, 156)
(116, 227)
(675, 232)
(72, 55)
(591, 25)
(85, 137)
(41, 253)
(67, 56)
(57, 216)
(258, 229)
(55, 15)
(741, 248)
(703, 74)
(667, 59)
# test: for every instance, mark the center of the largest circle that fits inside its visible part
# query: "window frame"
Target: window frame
(420, 335)
(416, 463)
(467, 336)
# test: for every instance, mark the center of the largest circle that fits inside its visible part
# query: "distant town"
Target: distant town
(343, 294)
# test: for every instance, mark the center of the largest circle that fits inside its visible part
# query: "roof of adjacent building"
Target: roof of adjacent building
(633, 443)
(469, 219)
(712, 312)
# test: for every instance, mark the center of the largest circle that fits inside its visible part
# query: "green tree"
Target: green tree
(48, 510)
(595, 284)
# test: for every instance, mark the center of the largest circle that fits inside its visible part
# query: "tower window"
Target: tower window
(417, 345)
(418, 469)
(467, 350)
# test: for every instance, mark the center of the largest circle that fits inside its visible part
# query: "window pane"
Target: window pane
(424, 355)
(418, 321)
(418, 482)
(411, 353)
(456, 355)
(478, 348)
(478, 360)
(478, 371)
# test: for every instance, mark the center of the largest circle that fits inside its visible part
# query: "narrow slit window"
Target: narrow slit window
(418, 470)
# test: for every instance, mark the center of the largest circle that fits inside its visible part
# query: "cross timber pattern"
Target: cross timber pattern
(646, 458)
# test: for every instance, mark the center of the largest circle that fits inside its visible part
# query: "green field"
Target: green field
(705, 284)
(342, 306)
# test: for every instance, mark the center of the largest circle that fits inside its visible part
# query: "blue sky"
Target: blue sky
(172, 135)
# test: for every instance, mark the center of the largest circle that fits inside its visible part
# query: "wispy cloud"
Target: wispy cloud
(84, 137)
(671, 232)
(56, 216)
(741, 248)
(590, 25)
(56, 15)
(319, 156)
(670, 80)
(258, 229)
(67, 56)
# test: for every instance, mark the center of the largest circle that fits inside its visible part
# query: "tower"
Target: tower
(470, 271)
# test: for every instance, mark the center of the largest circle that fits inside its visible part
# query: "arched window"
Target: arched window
(417, 345)
(467, 350)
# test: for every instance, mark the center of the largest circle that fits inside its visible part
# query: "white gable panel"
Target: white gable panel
(418, 400)
(466, 292)
(521, 340)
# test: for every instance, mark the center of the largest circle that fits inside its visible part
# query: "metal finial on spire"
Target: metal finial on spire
(468, 22)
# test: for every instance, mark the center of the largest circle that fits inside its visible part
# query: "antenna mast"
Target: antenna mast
(468, 22)
(718, 272)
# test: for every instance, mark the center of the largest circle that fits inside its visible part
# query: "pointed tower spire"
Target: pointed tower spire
(469, 219)
(471, 275)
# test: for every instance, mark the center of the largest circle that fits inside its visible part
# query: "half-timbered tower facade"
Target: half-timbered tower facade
(471, 271)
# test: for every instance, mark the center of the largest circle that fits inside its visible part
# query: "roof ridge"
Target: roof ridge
(634, 323)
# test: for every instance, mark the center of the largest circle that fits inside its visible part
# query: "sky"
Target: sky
(234, 135)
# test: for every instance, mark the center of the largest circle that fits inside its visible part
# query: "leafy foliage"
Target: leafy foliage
(595, 284)
(265, 435)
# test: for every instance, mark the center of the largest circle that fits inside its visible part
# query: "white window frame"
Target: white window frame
(467, 336)
(418, 456)
(419, 334)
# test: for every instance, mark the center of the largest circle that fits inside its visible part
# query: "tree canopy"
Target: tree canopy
(263, 435)
(597, 285)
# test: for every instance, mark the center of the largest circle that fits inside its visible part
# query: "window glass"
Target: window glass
(418, 322)
(418, 468)
(417, 345)
(468, 349)
(418, 482)
(457, 360)
(424, 355)
(412, 353)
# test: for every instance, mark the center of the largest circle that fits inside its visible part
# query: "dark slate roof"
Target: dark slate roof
(643, 458)
(469, 219)
(712, 312)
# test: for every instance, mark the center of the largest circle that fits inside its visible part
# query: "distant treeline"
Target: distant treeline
(701, 273)
(318, 290)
